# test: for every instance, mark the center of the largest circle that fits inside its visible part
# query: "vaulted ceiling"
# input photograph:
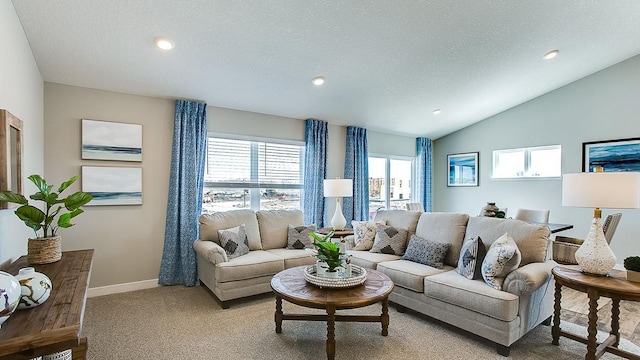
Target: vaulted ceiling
(387, 64)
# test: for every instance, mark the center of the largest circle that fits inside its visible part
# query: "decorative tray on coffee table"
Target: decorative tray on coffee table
(358, 277)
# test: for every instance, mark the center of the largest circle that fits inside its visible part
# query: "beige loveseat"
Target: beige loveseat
(248, 274)
(500, 316)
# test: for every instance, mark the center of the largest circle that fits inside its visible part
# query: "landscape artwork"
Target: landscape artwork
(463, 169)
(611, 155)
(105, 140)
(113, 185)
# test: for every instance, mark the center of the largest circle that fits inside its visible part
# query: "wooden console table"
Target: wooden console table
(55, 325)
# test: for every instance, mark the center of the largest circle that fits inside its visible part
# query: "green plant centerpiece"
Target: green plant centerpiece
(632, 264)
(328, 252)
(57, 213)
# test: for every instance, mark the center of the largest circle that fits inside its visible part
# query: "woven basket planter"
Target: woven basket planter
(44, 250)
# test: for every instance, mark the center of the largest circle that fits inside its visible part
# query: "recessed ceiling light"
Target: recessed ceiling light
(163, 43)
(318, 80)
(551, 54)
(437, 111)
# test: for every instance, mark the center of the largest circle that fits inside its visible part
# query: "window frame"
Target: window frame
(387, 189)
(254, 185)
(526, 151)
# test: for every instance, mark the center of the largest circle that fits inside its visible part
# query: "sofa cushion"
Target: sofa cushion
(211, 223)
(369, 259)
(389, 240)
(446, 228)
(408, 274)
(254, 264)
(426, 252)
(399, 218)
(234, 241)
(293, 258)
(502, 258)
(364, 232)
(473, 295)
(471, 257)
(274, 226)
(533, 240)
(299, 238)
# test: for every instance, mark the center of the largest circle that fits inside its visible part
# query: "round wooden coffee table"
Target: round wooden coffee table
(290, 285)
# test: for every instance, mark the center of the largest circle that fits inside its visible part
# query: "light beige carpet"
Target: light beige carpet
(176, 322)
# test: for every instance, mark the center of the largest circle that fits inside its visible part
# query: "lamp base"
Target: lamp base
(338, 222)
(595, 255)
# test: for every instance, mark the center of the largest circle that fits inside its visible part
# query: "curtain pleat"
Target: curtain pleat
(315, 170)
(424, 172)
(356, 167)
(188, 154)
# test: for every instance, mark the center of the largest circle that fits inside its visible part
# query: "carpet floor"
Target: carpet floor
(176, 322)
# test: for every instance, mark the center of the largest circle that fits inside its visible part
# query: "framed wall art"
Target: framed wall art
(463, 169)
(105, 140)
(611, 155)
(113, 185)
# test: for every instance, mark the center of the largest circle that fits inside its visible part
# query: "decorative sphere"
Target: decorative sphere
(35, 288)
(9, 295)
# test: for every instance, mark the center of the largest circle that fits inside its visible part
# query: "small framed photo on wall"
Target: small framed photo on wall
(611, 155)
(463, 169)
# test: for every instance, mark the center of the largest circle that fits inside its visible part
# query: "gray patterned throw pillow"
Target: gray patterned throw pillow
(364, 233)
(234, 241)
(426, 252)
(389, 240)
(471, 256)
(298, 237)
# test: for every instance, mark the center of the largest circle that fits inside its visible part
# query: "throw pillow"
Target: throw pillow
(298, 237)
(426, 252)
(364, 232)
(234, 241)
(389, 240)
(472, 255)
(502, 257)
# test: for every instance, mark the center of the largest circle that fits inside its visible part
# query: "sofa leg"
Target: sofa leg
(400, 308)
(547, 322)
(503, 350)
(225, 304)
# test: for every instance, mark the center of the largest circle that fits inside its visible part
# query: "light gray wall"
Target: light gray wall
(128, 240)
(602, 106)
(21, 93)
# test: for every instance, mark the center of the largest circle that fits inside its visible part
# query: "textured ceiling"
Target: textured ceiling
(387, 64)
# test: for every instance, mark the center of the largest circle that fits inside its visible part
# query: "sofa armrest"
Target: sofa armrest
(210, 251)
(529, 278)
(350, 242)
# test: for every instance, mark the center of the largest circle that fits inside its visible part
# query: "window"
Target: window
(532, 162)
(389, 183)
(249, 174)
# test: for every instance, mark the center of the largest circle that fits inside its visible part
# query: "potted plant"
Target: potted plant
(328, 254)
(632, 264)
(57, 214)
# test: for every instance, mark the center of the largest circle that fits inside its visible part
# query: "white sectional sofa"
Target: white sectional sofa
(502, 316)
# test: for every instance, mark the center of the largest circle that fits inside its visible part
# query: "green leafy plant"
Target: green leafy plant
(632, 263)
(37, 219)
(327, 251)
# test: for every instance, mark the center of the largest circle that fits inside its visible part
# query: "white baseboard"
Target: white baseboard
(120, 288)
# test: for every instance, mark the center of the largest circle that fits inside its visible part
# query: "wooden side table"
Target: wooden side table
(614, 286)
(55, 325)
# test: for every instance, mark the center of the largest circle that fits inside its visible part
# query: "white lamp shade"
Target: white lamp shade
(338, 187)
(613, 190)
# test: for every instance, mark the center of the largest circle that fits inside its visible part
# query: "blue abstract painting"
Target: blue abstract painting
(105, 140)
(463, 169)
(614, 155)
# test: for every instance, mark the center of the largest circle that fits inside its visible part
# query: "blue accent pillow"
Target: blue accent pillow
(471, 256)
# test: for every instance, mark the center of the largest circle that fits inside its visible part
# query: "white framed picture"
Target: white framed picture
(462, 169)
(113, 185)
(106, 140)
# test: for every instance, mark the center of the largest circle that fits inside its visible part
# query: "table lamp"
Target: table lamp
(613, 190)
(338, 188)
